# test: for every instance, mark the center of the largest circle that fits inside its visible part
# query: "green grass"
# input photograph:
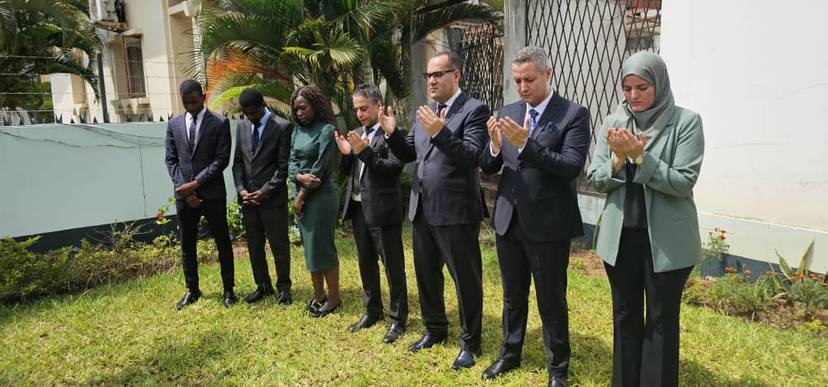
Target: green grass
(131, 333)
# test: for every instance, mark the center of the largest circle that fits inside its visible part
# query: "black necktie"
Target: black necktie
(440, 108)
(256, 138)
(191, 132)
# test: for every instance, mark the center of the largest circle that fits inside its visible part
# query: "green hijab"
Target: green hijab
(651, 68)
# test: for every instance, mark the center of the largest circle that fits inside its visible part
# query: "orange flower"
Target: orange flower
(159, 216)
(730, 269)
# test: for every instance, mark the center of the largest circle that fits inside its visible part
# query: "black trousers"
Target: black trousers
(521, 259)
(215, 211)
(385, 243)
(268, 223)
(645, 348)
(458, 247)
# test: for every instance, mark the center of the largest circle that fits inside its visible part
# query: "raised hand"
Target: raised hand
(356, 142)
(430, 121)
(387, 121)
(494, 134)
(514, 133)
(342, 143)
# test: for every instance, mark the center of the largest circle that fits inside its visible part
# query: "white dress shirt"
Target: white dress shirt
(197, 123)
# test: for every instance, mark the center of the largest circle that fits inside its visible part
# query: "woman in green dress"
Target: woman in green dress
(316, 202)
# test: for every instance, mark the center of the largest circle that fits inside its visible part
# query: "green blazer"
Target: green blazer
(669, 172)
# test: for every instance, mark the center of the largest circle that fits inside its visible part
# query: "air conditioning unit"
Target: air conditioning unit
(112, 11)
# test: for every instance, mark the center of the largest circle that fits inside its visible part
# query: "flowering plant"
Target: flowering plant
(716, 244)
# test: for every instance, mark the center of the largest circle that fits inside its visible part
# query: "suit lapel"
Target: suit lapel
(266, 132)
(552, 108)
(181, 128)
(245, 137)
(205, 124)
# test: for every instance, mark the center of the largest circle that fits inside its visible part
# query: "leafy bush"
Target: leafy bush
(26, 275)
(811, 293)
(731, 295)
(234, 220)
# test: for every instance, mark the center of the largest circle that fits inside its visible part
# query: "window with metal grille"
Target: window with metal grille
(587, 42)
(134, 67)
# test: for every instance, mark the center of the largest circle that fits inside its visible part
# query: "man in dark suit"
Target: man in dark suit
(260, 169)
(198, 150)
(541, 142)
(445, 208)
(373, 203)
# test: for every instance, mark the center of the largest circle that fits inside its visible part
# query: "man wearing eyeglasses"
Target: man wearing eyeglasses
(445, 207)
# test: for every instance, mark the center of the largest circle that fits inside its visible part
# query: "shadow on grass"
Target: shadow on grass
(184, 359)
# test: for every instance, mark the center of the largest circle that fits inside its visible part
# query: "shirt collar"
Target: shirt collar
(200, 114)
(265, 117)
(452, 99)
(541, 106)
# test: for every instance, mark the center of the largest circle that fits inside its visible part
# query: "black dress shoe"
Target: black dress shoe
(325, 310)
(366, 321)
(427, 341)
(394, 332)
(465, 359)
(499, 367)
(229, 299)
(314, 306)
(258, 295)
(558, 381)
(285, 298)
(189, 298)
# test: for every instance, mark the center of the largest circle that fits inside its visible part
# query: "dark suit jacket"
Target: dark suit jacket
(266, 168)
(379, 184)
(540, 181)
(446, 176)
(206, 162)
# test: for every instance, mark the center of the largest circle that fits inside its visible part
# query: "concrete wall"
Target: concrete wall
(59, 177)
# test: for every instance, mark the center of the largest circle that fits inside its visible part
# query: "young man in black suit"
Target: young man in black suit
(445, 206)
(260, 167)
(197, 151)
(541, 143)
(373, 203)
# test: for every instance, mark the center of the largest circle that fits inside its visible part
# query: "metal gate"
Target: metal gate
(481, 52)
(587, 41)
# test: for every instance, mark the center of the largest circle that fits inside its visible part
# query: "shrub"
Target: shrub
(25, 275)
(731, 295)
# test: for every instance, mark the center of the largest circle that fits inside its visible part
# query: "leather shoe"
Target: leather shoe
(325, 310)
(314, 306)
(394, 332)
(258, 295)
(499, 367)
(285, 298)
(229, 299)
(558, 381)
(366, 321)
(189, 298)
(427, 341)
(465, 359)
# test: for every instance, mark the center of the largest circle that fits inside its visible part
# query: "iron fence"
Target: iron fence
(587, 41)
(481, 53)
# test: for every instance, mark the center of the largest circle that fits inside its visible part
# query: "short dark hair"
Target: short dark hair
(190, 86)
(251, 98)
(454, 59)
(372, 92)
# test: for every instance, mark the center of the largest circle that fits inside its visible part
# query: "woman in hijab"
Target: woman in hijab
(647, 160)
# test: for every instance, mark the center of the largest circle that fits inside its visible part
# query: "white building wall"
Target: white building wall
(753, 72)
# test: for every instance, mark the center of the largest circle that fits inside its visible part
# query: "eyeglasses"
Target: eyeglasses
(438, 74)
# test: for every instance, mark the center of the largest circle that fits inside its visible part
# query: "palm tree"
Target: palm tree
(335, 44)
(43, 37)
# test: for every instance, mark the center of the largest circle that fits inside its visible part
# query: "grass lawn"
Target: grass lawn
(131, 333)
